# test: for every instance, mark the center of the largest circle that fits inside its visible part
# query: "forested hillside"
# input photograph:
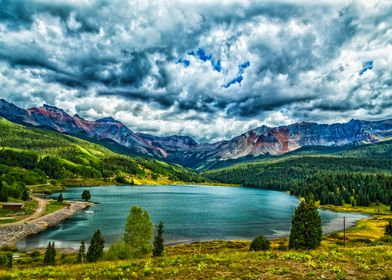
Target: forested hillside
(359, 175)
(30, 156)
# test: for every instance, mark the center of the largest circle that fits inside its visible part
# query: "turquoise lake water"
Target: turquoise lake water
(190, 213)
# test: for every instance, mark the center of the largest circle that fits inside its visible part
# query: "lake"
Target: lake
(190, 213)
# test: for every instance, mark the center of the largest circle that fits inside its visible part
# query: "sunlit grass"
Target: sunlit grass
(365, 256)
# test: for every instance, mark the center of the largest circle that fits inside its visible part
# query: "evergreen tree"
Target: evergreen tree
(4, 191)
(95, 250)
(388, 229)
(53, 254)
(81, 253)
(60, 198)
(138, 231)
(50, 254)
(47, 254)
(306, 229)
(10, 262)
(25, 195)
(158, 240)
(86, 195)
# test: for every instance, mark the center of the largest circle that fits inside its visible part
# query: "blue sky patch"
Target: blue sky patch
(239, 78)
(184, 62)
(216, 65)
(368, 65)
(243, 66)
(203, 56)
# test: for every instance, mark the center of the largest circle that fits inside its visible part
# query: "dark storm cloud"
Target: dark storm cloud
(20, 55)
(203, 63)
(20, 14)
(163, 100)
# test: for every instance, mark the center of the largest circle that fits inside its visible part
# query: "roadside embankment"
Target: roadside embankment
(11, 234)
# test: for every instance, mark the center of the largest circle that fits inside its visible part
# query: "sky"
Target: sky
(208, 69)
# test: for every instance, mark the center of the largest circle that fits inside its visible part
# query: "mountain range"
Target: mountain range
(185, 150)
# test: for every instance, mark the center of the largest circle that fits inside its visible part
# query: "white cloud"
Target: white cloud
(118, 58)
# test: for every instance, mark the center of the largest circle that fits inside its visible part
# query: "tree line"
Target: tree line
(326, 179)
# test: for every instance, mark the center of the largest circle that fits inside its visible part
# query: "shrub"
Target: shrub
(387, 239)
(6, 260)
(361, 240)
(260, 243)
(35, 254)
(282, 247)
(388, 228)
(119, 251)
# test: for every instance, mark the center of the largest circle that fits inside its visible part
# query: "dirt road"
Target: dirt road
(38, 212)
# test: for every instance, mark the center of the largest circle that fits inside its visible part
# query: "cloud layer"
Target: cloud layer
(209, 69)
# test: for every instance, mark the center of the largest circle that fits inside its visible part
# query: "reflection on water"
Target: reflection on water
(190, 213)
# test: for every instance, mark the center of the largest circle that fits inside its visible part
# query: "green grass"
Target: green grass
(30, 207)
(226, 260)
(17, 215)
(7, 220)
(372, 209)
(54, 206)
(367, 255)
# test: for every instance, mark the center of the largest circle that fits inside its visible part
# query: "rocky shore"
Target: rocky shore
(13, 233)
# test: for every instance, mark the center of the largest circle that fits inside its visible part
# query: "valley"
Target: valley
(352, 173)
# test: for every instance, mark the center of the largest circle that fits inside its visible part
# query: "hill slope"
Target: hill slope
(30, 156)
(358, 175)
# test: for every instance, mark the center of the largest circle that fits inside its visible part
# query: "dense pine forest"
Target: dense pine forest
(359, 175)
(31, 156)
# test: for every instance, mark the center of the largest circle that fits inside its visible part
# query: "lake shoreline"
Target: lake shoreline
(76, 183)
(13, 233)
(334, 226)
(179, 243)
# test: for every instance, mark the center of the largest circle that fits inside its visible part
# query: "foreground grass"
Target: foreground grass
(231, 260)
(367, 255)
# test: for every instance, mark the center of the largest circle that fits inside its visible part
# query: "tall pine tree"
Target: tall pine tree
(81, 253)
(50, 254)
(95, 250)
(158, 240)
(306, 230)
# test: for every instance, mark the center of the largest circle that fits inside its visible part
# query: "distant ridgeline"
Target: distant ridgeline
(359, 175)
(345, 170)
(31, 156)
(262, 141)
